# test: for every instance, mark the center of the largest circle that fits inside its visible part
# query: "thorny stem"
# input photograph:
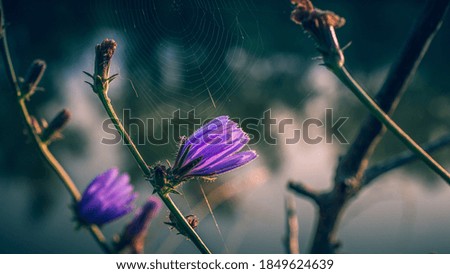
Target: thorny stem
(190, 232)
(42, 146)
(358, 91)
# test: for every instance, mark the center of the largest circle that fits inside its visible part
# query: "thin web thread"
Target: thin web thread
(214, 218)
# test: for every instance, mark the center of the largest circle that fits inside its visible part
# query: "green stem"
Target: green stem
(123, 133)
(42, 146)
(193, 236)
(347, 79)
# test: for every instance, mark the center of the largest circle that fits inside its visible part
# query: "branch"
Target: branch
(42, 146)
(358, 91)
(301, 189)
(400, 160)
(356, 159)
(349, 173)
(291, 239)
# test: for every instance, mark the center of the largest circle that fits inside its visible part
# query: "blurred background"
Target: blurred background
(234, 57)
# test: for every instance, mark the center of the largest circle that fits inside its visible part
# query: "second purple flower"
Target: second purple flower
(108, 197)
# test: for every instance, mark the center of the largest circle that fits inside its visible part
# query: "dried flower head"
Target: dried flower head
(321, 26)
(108, 197)
(135, 232)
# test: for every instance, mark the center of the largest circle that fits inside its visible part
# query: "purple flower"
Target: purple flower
(136, 231)
(213, 149)
(108, 197)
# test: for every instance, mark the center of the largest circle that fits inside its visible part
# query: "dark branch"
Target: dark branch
(401, 159)
(303, 190)
(354, 163)
(291, 239)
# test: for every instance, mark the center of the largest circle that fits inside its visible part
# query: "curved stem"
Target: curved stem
(49, 157)
(123, 133)
(193, 236)
(42, 146)
(352, 84)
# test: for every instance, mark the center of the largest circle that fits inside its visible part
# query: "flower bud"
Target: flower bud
(192, 221)
(53, 130)
(33, 77)
(103, 55)
(135, 232)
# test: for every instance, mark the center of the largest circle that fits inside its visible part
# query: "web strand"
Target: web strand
(213, 217)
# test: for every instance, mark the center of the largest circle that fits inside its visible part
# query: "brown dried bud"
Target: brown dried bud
(191, 219)
(53, 130)
(304, 12)
(321, 26)
(103, 55)
(33, 77)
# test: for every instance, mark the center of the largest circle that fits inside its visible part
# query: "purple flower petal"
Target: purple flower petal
(108, 197)
(236, 142)
(103, 179)
(230, 163)
(214, 126)
(215, 146)
(218, 154)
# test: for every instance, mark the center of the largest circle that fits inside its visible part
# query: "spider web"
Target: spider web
(182, 55)
(179, 53)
